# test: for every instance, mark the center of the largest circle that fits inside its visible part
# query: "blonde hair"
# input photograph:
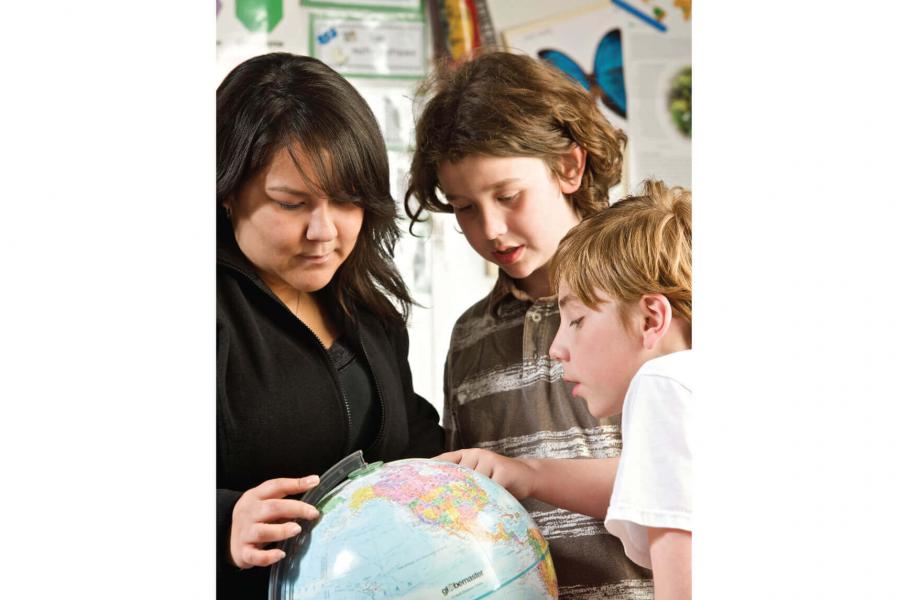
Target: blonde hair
(504, 104)
(640, 245)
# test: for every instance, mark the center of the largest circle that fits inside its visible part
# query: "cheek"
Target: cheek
(282, 234)
(556, 218)
(471, 229)
(262, 234)
(581, 356)
(534, 225)
(349, 225)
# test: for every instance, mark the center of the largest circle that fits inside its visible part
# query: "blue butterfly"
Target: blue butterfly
(607, 81)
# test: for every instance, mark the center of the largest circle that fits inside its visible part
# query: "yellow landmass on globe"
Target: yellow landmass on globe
(361, 496)
(545, 568)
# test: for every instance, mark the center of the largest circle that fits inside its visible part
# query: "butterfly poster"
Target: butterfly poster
(587, 46)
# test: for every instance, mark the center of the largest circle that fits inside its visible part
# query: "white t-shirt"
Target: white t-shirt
(653, 481)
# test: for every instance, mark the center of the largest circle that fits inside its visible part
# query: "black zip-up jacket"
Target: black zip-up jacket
(279, 409)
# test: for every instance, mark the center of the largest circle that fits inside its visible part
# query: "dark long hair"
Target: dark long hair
(504, 104)
(280, 100)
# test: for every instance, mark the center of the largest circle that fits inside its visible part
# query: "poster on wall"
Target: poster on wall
(387, 45)
(658, 80)
(247, 28)
(587, 46)
(635, 59)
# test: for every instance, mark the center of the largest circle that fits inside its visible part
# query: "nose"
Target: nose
(321, 226)
(558, 350)
(493, 223)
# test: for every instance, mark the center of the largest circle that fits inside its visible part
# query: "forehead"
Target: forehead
(475, 173)
(302, 174)
(568, 298)
(282, 165)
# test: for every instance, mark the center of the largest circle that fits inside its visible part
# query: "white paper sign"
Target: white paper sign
(393, 109)
(377, 4)
(370, 46)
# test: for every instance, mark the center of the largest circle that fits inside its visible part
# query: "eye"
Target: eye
(508, 197)
(462, 209)
(288, 206)
(347, 200)
(576, 323)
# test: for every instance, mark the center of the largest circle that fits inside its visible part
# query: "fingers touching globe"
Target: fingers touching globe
(513, 474)
(264, 515)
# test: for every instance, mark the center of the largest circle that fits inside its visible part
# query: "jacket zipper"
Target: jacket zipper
(335, 376)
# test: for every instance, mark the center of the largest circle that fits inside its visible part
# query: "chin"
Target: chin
(517, 271)
(599, 409)
(312, 284)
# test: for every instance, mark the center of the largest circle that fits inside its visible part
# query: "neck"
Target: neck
(536, 285)
(307, 308)
(676, 339)
(290, 296)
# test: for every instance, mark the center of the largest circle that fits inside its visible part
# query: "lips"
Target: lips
(508, 255)
(316, 259)
(576, 385)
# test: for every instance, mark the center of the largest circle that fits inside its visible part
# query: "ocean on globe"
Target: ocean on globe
(418, 528)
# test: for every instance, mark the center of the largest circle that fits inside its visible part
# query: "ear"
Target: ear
(656, 317)
(572, 166)
(228, 205)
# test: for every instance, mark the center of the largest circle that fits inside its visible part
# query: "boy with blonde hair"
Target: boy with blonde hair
(623, 279)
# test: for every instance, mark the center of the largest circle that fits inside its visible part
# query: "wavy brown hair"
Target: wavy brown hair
(280, 100)
(504, 104)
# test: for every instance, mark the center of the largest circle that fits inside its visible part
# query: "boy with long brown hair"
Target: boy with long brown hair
(520, 154)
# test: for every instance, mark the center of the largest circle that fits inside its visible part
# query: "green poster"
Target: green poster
(259, 15)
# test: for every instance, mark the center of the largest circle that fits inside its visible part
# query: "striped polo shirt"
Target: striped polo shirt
(504, 393)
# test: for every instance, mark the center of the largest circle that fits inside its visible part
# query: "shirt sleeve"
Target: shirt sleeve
(653, 480)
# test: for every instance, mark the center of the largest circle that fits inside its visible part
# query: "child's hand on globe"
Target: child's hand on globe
(517, 476)
(263, 515)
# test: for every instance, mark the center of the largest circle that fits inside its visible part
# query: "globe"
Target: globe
(417, 528)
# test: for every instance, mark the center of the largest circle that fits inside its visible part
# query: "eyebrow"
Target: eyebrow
(493, 186)
(565, 300)
(288, 190)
